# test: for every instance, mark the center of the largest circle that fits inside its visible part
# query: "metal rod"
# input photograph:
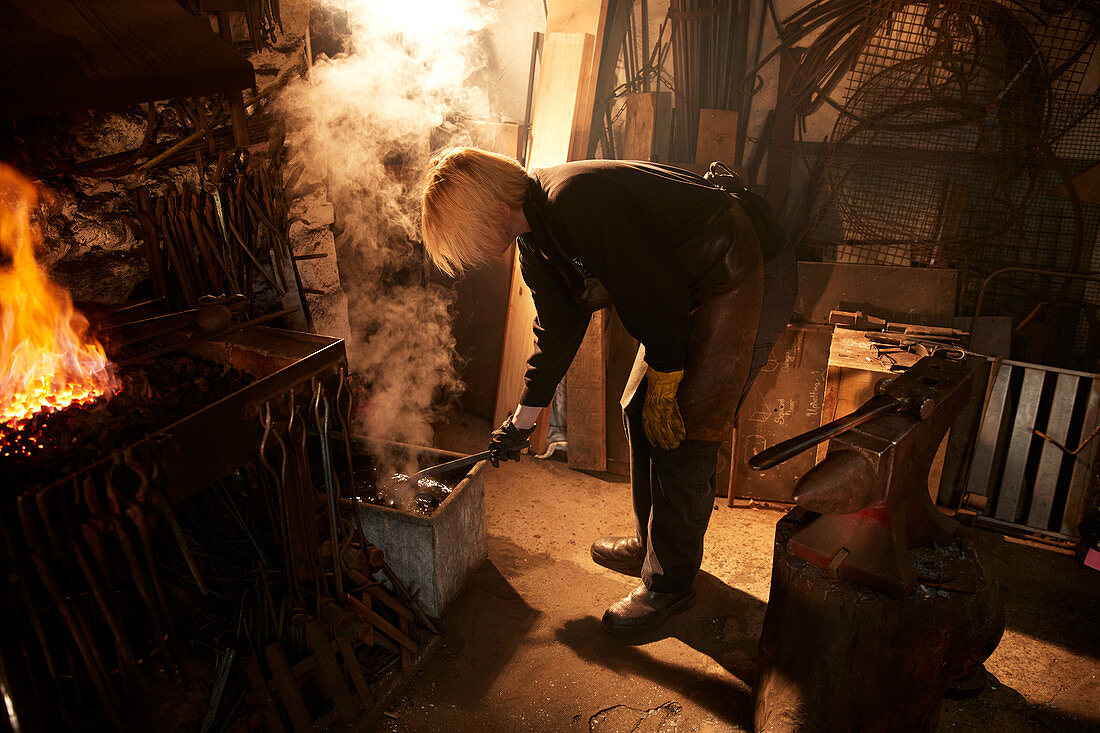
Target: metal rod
(207, 337)
(793, 446)
(322, 418)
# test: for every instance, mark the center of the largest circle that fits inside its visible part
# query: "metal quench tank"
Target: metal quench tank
(434, 555)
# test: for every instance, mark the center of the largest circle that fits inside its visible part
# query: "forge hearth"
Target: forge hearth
(203, 550)
(154, 394)
(199, 403)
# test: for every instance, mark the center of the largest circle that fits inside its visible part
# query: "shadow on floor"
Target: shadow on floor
(1001, 708)
(1064, 613)
(724, 624)
(465, 637)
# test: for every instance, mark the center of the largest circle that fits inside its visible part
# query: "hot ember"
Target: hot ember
(48, 360)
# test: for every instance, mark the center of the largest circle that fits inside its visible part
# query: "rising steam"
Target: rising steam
(367, 119)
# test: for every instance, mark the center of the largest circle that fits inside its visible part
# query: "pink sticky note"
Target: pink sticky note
(1092, 559)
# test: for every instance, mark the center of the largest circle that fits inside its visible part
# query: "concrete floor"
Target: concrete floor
(523, 649)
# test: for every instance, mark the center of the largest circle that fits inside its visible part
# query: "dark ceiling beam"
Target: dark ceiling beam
(71, 55)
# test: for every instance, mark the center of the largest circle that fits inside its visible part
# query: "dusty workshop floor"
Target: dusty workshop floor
(523, 649)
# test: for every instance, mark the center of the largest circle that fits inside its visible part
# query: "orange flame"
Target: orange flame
(48, 360)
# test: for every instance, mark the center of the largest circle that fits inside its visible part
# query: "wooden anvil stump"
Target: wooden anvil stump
(836, 656)
(878, 604)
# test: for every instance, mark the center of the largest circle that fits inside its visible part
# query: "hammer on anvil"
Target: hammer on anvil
(871, 490)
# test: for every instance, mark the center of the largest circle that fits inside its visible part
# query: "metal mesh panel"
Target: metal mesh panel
(959, 121)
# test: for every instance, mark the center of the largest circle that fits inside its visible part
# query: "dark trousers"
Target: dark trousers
(673, 493)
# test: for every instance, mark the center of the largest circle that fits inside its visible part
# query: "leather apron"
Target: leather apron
(729, 293)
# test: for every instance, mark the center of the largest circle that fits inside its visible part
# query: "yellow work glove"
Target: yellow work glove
(664, 426)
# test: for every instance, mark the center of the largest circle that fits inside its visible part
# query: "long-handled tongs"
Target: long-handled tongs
(448, 466)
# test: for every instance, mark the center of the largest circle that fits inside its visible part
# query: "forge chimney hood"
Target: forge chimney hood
(72, 55)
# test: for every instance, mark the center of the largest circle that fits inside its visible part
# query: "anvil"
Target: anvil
(871, 490)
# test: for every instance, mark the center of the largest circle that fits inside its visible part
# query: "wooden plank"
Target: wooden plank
(981, 463)
(717, 136)
(586, 399)
(504, 138)
(621, 349)
(935, 471)
(993, 336)
(381, 624)
(397, 606)
(288, 689)
(1082, 470)
(481, 296)
(301, 671)
(351, 664)
(830, 398)
(576, 16)
(329, 677)
(648, 119)
(559, 126)
(923, 296)
(1056, 370)
(1046, 480)
(794, 392)
(609, 44)
(1012, 482)
(562, 112)
(480, 317)
(586, 101)
(851, 349)
(1012, 529)
(263, 694)
(781, 149)
(519, 342)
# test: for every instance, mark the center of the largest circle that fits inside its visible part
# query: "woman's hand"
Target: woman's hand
(507, 441)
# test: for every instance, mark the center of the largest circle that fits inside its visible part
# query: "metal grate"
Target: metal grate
(960, 119)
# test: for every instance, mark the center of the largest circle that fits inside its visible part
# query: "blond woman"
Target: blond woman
(703, 278)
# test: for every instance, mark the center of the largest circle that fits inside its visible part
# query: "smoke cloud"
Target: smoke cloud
(368, 119)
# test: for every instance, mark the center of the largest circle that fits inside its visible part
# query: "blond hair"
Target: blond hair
(462, 219)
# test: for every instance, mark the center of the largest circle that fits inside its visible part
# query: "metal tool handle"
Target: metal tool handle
(448, 466)
(793, 446)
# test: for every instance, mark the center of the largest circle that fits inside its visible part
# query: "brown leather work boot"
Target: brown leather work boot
(621, 554)
(644, 610)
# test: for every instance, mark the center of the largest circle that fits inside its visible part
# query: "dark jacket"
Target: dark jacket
(637, 228)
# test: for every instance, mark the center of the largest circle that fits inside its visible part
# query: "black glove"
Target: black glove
(507, 441)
